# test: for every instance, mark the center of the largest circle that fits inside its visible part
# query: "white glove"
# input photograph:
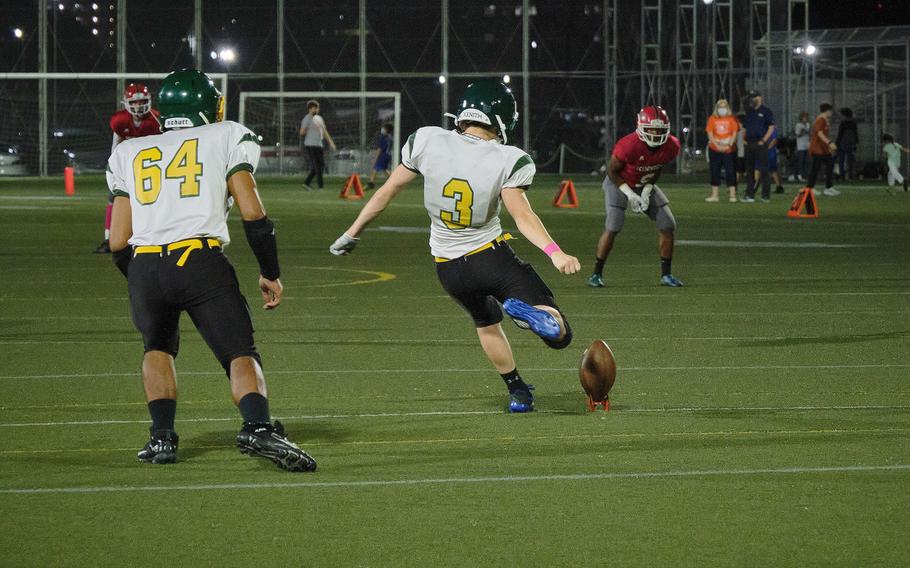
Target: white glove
(343, 244)
(635, 203)
(646, 197)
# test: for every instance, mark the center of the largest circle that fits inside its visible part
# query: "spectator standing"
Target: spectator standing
(722, 131)
(759, 125)
(313, 132)
(892, 152)
(773, 170)
(847, 140)
(801, 131)
(740, 148)
(383, 160)
(822, 149)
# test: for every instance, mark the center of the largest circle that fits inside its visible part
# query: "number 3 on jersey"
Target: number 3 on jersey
(184, 166)
(459, 190)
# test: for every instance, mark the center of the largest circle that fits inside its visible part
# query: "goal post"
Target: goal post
(352, 118)
(52, 120)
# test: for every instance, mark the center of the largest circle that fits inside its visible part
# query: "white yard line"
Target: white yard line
(659, 410)
(633, 475)
(478, 370)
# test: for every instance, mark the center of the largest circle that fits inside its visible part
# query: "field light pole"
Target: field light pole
(525, 74)
(280, 35)
(444, 30)
(42, 89)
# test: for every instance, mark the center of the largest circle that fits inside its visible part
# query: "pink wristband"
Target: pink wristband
(551, 248)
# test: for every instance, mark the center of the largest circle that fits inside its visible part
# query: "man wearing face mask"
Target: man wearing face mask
(758, 125)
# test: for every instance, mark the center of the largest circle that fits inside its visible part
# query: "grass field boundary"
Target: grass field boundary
(634, 475)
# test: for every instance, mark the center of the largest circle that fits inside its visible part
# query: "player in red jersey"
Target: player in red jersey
(136, 120)
(630, 183)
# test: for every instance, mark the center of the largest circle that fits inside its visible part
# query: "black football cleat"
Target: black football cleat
(103, 248)
(161, 448)
(267, 441)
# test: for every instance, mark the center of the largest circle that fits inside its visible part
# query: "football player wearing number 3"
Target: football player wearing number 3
(172, 194)
(467, 172)
(635, 166)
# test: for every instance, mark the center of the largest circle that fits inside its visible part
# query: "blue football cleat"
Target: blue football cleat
(671, 281)
(521, 400)
(529, 317)
(596, 281)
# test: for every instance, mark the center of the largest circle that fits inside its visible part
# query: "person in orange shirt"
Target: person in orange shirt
(722, 128)
(822, 149)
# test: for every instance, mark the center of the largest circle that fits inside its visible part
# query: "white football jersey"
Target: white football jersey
(463, 176)
(177, 181)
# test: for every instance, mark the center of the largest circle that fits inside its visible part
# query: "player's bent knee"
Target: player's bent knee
(564, 341)
(665, 220)
(228, 360)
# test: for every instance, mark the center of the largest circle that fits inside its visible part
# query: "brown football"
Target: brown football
(597, 372)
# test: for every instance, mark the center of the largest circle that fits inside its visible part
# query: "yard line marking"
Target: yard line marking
(445, 314)
(483, 370)
(463, 480)
(589, 295)
(765, 244)
(895, 336)
(501, 439)
(693, 409)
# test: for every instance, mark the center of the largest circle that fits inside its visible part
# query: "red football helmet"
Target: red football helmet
(653, 125)
(137, 100)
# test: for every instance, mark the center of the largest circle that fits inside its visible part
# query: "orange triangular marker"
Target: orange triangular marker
(352, 184)
(566, 191)
(804, 201)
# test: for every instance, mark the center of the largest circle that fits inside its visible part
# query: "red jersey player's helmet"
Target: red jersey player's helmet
(653, 125)
(137, 100)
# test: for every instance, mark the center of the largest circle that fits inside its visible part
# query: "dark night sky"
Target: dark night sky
(858, 13)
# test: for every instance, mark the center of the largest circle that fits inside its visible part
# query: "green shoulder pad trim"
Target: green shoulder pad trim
(119, 193)
(249, 137)
(107, 168)
(522, 162)
(239, 168)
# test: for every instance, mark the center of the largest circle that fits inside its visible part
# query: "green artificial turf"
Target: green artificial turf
(761, 414)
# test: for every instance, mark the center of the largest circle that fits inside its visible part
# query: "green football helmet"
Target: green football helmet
(189, 98)
(489, 102)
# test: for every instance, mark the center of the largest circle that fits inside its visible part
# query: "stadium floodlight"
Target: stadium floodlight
(213, 55)
(94, 6)
(18, 33)
(708, 2)
(60, 6)
(811, 50)
(442, 79)
(94, 31)
(506, 79)
(227, 55)
(533, 44)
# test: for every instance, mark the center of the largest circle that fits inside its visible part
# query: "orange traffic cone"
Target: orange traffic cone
(566, 191)
(352, 184)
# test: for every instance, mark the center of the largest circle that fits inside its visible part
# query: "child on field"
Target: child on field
(383, 160)
(892, 152)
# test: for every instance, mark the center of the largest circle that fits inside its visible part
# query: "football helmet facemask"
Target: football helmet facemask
(653, 126)
(489, 102)
(137, 100)
(189, 98)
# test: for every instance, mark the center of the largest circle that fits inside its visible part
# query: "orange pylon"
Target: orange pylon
(804, 200)
(352, 184)
(566, 191)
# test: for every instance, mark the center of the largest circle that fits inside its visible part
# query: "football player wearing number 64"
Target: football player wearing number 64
(466, 173)
(172, 194)
(631, 182)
